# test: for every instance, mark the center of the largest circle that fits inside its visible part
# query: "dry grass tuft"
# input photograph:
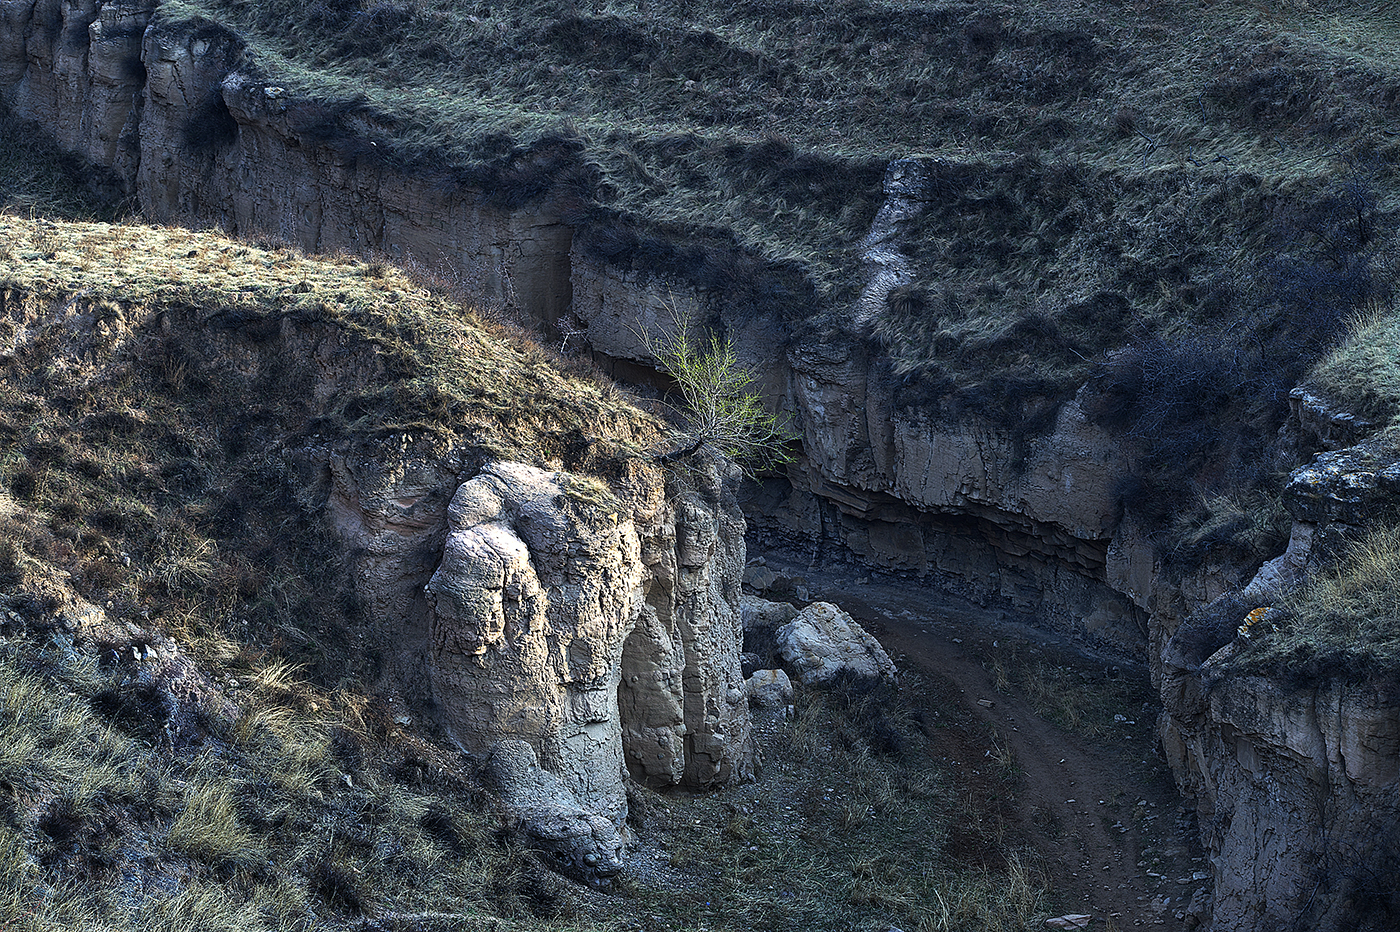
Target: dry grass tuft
(1344, 623)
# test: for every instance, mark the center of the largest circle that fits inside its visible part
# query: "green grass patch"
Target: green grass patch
(1363, 373)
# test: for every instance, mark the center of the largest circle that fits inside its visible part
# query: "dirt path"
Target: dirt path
(1103, 815)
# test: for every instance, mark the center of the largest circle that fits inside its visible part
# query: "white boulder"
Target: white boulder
(823, 641)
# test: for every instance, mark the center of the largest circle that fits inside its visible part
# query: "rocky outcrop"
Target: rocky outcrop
(595, 631)
(1296, 797)
(599, 625)
(528, 611)
(538, 806)
(1295, 784)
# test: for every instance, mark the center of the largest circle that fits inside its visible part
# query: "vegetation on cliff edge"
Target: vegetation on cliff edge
(1183, 205)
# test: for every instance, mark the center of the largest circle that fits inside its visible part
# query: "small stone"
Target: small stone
(769, 689)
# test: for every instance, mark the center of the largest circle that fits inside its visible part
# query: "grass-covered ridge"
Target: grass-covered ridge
(438, 367)
(208, 750)
(159, 384)
(1342, 624)
(1362, 375)
(1182, 205)
(767, 124)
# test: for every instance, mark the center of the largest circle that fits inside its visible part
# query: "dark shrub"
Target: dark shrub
(1209, 628)
(142, 709)
(335, 886)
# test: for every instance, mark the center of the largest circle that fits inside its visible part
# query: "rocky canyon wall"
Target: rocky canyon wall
(599, 625)
(617, 624)
(201, 138)
(1295, 781)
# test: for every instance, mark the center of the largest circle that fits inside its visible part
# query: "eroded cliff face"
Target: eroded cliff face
(1295, 793)
(1295, 785)
(599, 625)
(202, 138)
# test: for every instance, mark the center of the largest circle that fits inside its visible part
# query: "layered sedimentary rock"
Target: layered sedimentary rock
(202, 137)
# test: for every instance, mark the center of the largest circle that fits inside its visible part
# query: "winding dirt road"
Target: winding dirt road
(1103, 816)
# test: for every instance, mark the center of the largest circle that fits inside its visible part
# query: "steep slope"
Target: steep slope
(1050, 364)
(289, 548)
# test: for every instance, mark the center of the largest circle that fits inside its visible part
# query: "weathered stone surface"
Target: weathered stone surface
(886, 266)
(770, 689)
(823, 642)
(1286, 781)
(528, 613)
(1332, 425)
(591, 632)
(1353, 486)
(75, 67)
(695, 552)
(573, 840)
(760, 614)
(1286, 571)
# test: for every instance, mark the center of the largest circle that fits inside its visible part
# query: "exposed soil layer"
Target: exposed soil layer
(1100, 811)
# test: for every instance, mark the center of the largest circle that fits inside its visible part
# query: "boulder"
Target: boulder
(760, 614)
(770, 689)
(823, 642)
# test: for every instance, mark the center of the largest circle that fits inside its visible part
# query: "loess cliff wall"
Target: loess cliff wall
(201, 139)
(596, 619)
(617, 626)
